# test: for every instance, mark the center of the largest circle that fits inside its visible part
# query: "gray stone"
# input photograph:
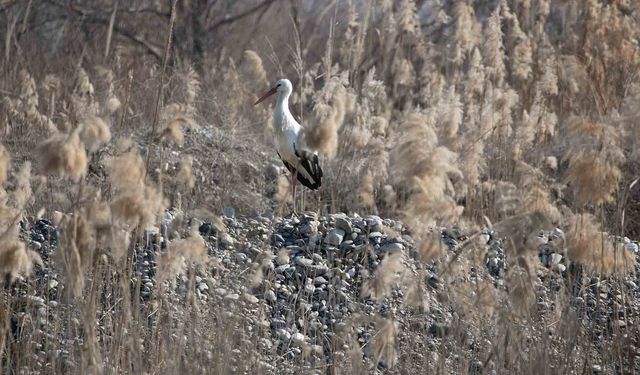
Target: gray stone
(335, 237)
(317, 258)
(317, 270)
(309, 215)
(284, 335)
(344, 223)
(347, 245)
(319, 280)
(226, 240)
(393, 247)
(307, 229)
(270, 296)
(302, 261)
(374, 223)
(229, 212)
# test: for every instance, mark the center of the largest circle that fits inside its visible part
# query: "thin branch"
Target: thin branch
(256, 24)
(4, 5)
(244, 14)
(145, 10)
(151, 48)
(91, 18)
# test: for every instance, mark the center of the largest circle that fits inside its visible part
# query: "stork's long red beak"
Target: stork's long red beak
(266, 95)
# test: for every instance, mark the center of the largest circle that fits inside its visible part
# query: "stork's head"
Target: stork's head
(283, 87)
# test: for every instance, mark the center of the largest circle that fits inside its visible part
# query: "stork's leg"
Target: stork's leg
(294, 180)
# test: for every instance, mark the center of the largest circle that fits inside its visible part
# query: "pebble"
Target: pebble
(559, 268)
(302, 261)
(309, 288)
(558, 234)
(317, 269)
(232, 297)
(226, 240)
(555, 259)
(203, 286)
(631, 246)
(351, 273)
(283, 258)
(631, 284)
(298, 338)
(270, 296)
(250, 298)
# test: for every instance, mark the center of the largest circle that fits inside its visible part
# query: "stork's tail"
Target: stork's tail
(309, 173)
(311, 165)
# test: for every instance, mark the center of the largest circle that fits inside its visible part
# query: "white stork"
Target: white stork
(303, 164)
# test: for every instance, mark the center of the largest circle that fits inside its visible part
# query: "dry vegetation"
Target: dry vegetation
(517, 116)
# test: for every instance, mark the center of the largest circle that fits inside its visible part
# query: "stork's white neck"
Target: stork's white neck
(282, 103)
(281, 112)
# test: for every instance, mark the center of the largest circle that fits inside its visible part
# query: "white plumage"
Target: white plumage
(303, 164)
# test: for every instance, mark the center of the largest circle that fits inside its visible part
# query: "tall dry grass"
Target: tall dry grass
(512, 116)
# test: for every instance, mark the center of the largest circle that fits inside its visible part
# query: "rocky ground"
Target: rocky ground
(301, 280)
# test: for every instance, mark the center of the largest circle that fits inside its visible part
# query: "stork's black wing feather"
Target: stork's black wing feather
(309, 162)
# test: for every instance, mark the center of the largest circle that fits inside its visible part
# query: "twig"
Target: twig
(126, 100)
(112, 21)
(26, 16)
(154, 124)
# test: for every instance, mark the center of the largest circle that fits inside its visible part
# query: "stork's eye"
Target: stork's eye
(278, 85)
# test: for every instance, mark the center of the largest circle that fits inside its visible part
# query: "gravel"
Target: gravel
(312, 273)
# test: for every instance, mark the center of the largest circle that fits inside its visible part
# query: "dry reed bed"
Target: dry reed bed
(515, 117)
